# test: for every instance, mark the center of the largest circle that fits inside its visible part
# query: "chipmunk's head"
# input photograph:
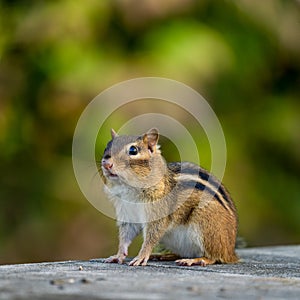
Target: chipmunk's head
(134, 160)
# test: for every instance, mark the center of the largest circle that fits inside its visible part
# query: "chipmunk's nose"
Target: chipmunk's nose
(107, 164)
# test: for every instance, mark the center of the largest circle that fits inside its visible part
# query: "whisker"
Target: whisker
(99, 170)
(98, 164)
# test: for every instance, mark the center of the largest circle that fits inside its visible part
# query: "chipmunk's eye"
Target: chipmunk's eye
(133, 150)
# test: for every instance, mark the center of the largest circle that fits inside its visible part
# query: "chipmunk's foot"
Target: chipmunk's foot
(200, 261)
(119, 259)
(139, 261)
(164, 257)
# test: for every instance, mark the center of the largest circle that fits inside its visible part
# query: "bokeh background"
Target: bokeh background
(243, 56)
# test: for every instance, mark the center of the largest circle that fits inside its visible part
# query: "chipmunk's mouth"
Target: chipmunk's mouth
(113, 175)
(110, 174)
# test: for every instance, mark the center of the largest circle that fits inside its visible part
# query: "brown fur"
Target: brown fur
(211, 215)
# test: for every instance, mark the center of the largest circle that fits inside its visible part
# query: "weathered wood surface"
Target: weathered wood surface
(263, 273)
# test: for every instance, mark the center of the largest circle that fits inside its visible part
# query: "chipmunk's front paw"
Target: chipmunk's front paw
(139, 261)
(115, 259)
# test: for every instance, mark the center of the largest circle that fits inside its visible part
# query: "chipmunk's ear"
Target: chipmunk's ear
(113, 133)
(151, 138)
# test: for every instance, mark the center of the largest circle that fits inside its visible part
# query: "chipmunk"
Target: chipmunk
(179, 204)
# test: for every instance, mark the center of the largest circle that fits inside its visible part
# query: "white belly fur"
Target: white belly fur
(185, 241)
(127, 206)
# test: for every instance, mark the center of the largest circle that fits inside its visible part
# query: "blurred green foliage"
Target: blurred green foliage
(56, 56)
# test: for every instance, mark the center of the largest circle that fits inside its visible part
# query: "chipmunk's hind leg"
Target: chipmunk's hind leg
(164, 256)
(161, 253)
(199, 261)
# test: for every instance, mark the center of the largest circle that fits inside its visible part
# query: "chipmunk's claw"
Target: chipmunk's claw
(139, 261)
(201, 261)
(115, 259)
